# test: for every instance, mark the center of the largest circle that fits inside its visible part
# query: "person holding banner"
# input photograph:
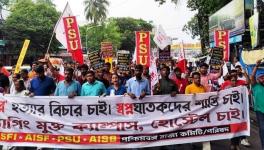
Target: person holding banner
(165, 85)
(197, 87)
(41, 85)
(258, 94)
(138, 86)
(115, 88)
(92, 87)
(68, 87)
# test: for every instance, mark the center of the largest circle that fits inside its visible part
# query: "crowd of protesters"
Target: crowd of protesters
(81, 80)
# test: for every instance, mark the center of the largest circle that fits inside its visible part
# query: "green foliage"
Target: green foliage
(33, 21)
(95, 34)
(96, 10)
(198, 26)
(127, 28)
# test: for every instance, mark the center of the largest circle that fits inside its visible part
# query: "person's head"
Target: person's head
(19, 85)
(233, 79)
(34, 66)
(204, 68)
(178, 72)
(145, 71)
(233, 72)
(68, 74)
(40, 72)
(90, 76)
(115, 79)
(239, 69)
(84, 68)
(196, 78)
(100, 73)
(190, 63)
(107, 67)
(16, 77)
(138, 71)
(45, 67)
(165, 71)
(24, 74)
(260, 78)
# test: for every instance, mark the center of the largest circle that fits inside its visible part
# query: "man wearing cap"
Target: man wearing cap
(41, 85)
(258, 93)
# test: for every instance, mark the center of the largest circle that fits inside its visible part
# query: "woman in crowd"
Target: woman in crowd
(115, 88)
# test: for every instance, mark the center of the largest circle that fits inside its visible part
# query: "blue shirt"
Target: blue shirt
(120, 91)
(137, 87)
(65, 89)
(95, 89)
(43, 87)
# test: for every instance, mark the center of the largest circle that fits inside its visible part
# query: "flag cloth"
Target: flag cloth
(181, 60)
(67, 33)
(161, 39)
(153, 72)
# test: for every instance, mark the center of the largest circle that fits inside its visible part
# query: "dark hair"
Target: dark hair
(69, 69)
(18, 76)
(139, 67)
(238, 66)
(40, 69)
(115, 74)
(108, 64)
(167, 68)
(21, 84)
(177, 69)
(233, 71)
(195, 73)
(84, 66)
(204, 65)
(24, 71)
(91, 72)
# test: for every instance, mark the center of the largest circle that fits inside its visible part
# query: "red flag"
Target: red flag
(222, 40)
(67, 33)
(181, 59)
(143, 48)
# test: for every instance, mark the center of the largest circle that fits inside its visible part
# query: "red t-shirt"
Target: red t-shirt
(181, 84)
(227, 84)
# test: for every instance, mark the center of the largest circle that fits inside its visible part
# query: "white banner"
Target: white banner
(120, 122)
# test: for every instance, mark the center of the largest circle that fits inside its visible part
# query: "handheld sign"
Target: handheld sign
(216, 58)
(22, 55)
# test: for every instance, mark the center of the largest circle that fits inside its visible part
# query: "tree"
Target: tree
(96, 10)
(127, 28)
(94, 35)
(33, 21)
(198, 26)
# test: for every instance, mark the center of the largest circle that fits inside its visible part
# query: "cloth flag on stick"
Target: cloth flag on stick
(181, 59)
(153, 72)
(67, 33)
(161, 39)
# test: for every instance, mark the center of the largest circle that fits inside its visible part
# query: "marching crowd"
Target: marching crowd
(81, 80)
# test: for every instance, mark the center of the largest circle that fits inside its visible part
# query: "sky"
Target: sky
(171, 17)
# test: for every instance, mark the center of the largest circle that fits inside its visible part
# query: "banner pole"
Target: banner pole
(50, 42)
